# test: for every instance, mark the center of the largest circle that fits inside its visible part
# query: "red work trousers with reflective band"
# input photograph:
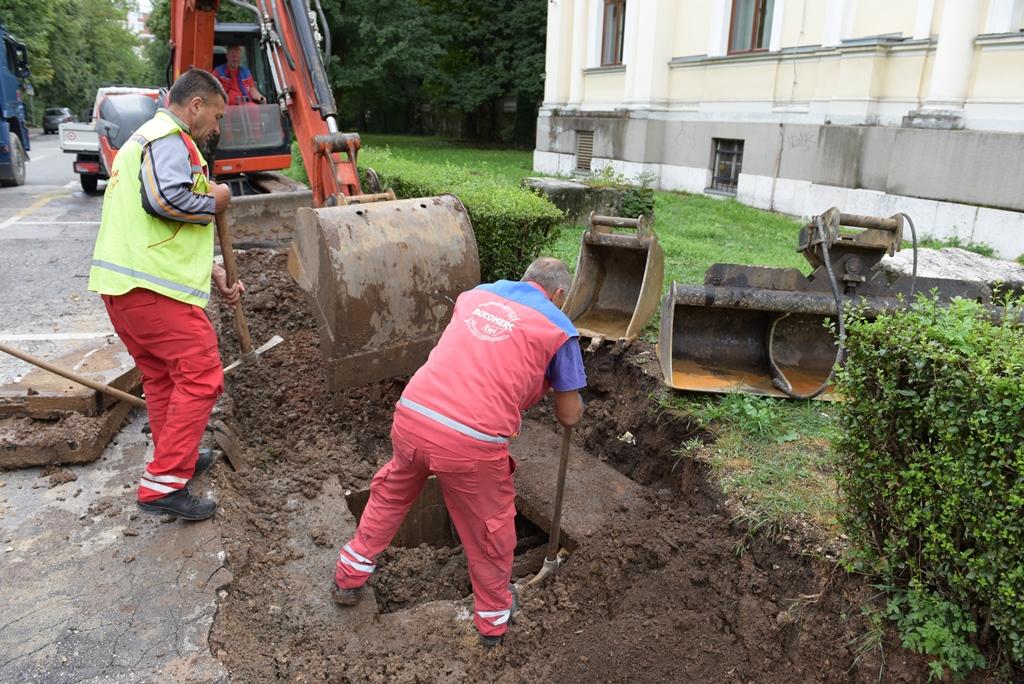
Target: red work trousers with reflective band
(175, 348)
(478, 490)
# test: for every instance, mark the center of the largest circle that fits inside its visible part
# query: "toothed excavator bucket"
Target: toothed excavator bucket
(618, 279)
(382, 278)
(771, 331)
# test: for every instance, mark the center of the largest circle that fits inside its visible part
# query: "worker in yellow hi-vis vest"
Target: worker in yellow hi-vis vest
(152, 264)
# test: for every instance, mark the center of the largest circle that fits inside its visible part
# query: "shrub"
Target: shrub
(931, 463)
(511, 224)
(639, 199)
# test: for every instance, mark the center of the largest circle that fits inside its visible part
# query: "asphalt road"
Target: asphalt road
(47, 230)
(91, 591)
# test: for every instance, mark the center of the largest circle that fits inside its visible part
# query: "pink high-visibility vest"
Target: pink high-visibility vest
(490, 363)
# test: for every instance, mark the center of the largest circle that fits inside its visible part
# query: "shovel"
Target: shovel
(556, 556)
(249, 355)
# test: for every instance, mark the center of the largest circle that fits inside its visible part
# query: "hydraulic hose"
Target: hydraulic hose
(913, 240)
(327, 34)
(778, 378)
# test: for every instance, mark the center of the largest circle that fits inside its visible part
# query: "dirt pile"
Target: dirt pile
(674, 596)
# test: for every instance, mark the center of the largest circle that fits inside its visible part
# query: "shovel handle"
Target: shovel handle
(227, 250)
(556, 518)
(74, 377)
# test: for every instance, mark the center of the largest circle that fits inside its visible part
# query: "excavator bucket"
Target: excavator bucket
(618, 279)
(772, 331)
(382, 277)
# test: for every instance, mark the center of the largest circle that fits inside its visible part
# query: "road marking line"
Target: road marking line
(37, 157)
(47, 337)
(45, 199)
(58, 223)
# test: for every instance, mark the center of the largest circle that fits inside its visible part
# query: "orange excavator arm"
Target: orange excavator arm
(290, 39)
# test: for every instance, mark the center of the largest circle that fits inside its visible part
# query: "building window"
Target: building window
(728, 165)
(751, 27)
(584, 150)
(613, 32)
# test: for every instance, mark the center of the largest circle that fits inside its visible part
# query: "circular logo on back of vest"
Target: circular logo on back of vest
(492, 321)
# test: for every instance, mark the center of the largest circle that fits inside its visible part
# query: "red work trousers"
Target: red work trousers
(480, 496)
(175, 348)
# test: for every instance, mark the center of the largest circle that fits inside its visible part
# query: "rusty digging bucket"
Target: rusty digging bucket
(771, 331)
(382, 278)
(618, 279)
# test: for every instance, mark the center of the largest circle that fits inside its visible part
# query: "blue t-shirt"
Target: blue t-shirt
(565, 372)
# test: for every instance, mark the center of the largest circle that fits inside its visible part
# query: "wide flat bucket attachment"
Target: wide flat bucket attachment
(618, 279)
(382, 278)
(772, 331)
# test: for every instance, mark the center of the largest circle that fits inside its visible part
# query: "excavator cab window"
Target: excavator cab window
(248, 129)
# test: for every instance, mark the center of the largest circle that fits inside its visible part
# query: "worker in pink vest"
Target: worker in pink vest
(507, 344)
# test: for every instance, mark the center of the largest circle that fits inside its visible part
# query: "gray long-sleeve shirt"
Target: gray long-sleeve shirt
(166, 178)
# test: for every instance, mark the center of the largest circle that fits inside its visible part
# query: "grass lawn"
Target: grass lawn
(771, 456)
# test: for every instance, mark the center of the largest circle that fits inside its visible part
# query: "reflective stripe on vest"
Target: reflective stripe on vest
(448, 422)
(184, 289)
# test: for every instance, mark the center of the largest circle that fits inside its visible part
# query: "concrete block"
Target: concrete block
(576, 199)
(1003, 230)
(791, 196)
(864, 202)
(553, 162)
(921, 211)
(757, 191)
(746, 189)
(823, 197)
(954, 221)
(685, 178)
(595, 493)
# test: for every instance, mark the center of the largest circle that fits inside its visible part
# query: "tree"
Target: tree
(493, 51)
(75, 46)
(379, 60)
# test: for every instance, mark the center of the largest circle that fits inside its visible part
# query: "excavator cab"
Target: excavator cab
(253, 137)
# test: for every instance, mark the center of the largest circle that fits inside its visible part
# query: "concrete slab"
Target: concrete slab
(72, 438)
(41, 394)
(94, 591)
(595, 493)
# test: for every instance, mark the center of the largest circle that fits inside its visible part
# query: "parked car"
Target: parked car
(55, 116)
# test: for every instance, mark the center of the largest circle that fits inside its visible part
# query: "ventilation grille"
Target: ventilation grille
(584, 150)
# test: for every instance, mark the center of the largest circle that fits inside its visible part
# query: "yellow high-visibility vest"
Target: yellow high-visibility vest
(135, 249)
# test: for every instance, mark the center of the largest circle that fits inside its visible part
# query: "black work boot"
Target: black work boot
(492, 641)
(204, 462)
(345, 597)
(181, 503)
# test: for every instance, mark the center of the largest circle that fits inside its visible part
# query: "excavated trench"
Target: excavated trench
(656, 591)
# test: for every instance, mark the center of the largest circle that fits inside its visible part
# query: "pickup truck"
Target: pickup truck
(80, 139)
(117, 112)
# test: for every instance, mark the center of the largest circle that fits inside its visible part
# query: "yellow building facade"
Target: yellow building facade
(874, 106)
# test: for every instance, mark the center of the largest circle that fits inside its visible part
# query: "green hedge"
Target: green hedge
(931, 463)
(511, 224)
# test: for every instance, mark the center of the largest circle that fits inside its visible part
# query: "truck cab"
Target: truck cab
(14, 141)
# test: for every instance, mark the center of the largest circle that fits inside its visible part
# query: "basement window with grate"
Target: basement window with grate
(584, 150)
(728, 165)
